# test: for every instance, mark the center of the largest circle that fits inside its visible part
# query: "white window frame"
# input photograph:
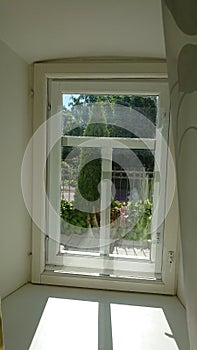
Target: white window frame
(104, 69)
(56, 89)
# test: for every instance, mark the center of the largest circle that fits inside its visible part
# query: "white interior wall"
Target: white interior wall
(180, 31)
(15, 131)
(180, 284)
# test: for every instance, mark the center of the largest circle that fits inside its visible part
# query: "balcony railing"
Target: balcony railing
(131, 185)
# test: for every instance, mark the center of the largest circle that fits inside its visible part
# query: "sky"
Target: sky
(66, 99)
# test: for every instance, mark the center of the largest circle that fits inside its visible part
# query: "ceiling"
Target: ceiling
(49, 29)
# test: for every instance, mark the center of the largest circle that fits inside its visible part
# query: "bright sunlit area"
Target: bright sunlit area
(76, 324)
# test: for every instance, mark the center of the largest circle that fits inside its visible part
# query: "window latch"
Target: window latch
(171, 257)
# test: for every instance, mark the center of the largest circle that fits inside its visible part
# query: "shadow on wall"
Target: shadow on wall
(184, 13)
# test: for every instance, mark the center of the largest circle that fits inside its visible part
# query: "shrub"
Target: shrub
(74, 217)
(139, 218)
(90, 158)
(123, 216)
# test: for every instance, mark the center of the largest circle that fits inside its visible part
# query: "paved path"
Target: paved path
(118, 247)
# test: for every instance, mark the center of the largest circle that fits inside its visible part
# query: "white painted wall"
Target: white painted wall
(180, 284)
(181, 43)
(15, 131)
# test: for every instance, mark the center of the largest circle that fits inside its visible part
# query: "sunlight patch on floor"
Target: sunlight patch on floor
(74, 324)
(140, 328)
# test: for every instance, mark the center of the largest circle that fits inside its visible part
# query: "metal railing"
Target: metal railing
(128, 185)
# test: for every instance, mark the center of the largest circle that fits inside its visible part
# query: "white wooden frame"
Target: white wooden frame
(104, 69)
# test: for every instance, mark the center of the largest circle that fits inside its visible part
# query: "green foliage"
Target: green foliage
(139, 218)
(88, 117)
(146, 105)
(115, 211)
(81, 109)
(90, 158)
(68, 173)
(136, 215)
(74, 221)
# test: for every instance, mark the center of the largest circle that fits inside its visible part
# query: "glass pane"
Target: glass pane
(133, 200)
(80, 199)
(126, 116)
(130, 202)
(107, 188)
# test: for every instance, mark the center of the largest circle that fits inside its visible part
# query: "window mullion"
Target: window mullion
(106, 175)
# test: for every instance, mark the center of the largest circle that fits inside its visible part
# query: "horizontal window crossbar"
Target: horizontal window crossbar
(108, 142)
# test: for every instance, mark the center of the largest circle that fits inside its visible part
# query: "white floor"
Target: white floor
(69, 318)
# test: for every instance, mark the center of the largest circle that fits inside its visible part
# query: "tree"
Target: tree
(118, 109)
(89, 176)
(146, 105)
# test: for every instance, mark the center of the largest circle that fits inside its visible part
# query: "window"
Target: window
(106, 144)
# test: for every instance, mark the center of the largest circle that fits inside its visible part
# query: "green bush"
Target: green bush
(74, 217)
(139, 218)
(123, 216)
(90, 158)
